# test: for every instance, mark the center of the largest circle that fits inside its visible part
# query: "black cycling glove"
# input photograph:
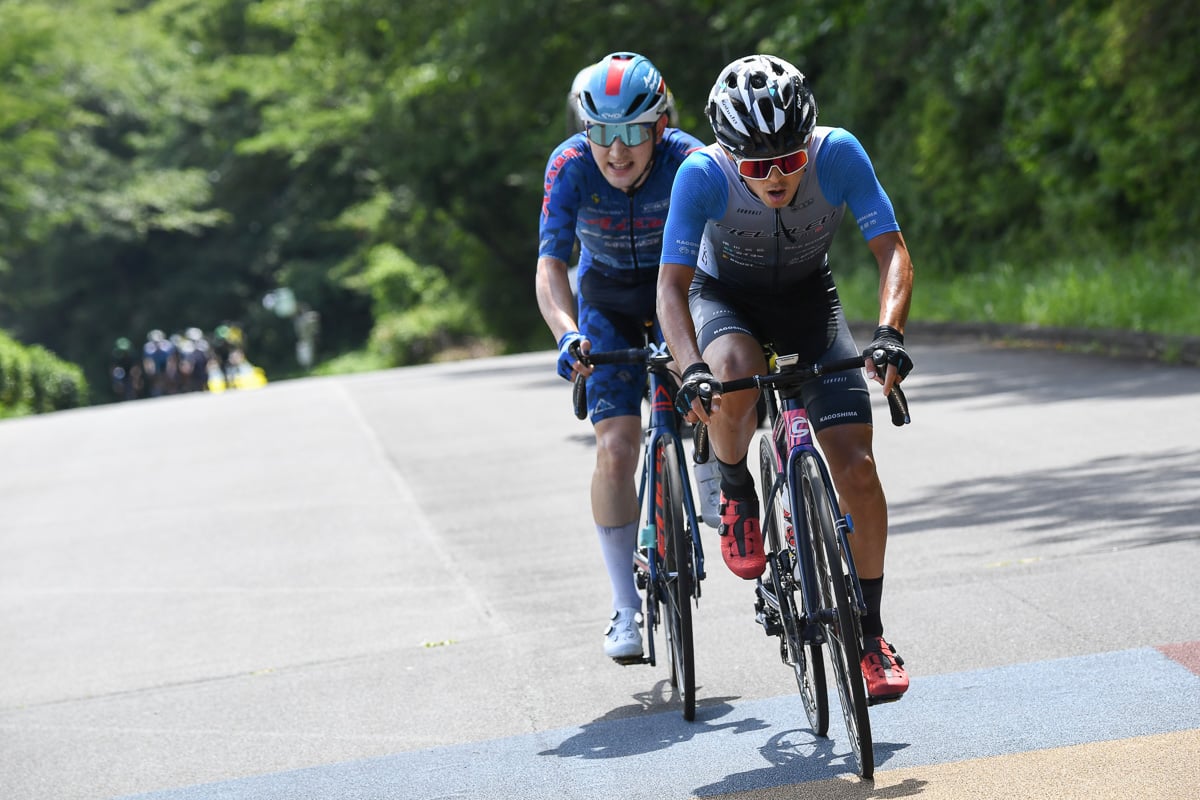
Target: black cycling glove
(888, 348)
(698, 381)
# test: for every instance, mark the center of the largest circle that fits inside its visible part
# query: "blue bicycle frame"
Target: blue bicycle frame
(664, 424)
(793, 435)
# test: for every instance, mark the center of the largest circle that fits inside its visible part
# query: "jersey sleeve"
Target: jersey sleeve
(700, 193)
(560, 201)
(681, 143)
(847, 176)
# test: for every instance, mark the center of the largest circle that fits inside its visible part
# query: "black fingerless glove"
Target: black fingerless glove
(698, 381)
(888, 348)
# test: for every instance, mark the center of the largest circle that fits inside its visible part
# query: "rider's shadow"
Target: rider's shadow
(798, 756)
(634, 730)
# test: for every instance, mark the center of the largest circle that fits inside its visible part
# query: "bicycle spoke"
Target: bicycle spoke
(675, 547)
(841, 626)
(804, 658)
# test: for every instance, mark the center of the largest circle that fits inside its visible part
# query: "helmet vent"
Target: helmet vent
(768, 115)
(636, 104)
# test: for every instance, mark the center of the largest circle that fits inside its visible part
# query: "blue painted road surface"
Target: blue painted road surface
(734, 748)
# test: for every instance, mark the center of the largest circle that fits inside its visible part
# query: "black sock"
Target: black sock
(872, 623)
(736, 481)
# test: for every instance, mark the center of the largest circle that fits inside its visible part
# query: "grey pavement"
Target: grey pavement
(334, 584)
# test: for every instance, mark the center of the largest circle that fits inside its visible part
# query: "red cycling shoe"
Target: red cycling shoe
(741, 538)
(883, 670)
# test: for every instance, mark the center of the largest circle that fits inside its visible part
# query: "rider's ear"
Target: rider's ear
(659, 127)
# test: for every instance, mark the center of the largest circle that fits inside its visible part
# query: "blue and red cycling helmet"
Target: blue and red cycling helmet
(623, 88)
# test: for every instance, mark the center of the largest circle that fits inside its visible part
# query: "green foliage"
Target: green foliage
(1144, 293)
(417, 312)
(165, 163)
(35, 381)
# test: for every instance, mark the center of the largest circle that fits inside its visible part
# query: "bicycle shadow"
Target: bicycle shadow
(799, 757)
(636, 730)
(792, 756)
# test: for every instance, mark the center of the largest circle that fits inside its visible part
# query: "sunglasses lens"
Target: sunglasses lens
(632, 134)
(760, 169)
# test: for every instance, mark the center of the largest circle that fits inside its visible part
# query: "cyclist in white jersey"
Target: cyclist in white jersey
(745, 264)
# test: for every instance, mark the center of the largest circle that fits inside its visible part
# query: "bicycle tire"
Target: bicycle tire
(843, 633)
(676, 577)
(804, 658)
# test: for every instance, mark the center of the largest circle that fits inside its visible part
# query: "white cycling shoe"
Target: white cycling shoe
(708, 488)
(623, 639)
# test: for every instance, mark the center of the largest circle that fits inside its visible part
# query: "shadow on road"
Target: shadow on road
(788, 757)
(1122, 501)
(796, 756)
(634, 730)
(950, 374)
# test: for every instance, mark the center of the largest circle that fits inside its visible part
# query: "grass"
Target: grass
(1141, 294)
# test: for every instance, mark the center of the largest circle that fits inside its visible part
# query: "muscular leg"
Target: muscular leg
(614, 495)
(851, 462)
(732, 356)
(731, 427)
(614, 504)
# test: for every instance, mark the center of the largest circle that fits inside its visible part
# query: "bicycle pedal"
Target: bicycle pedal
(878, 701)
(771, 625)
(629, 661)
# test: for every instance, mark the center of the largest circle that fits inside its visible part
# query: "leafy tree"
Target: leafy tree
(166, 163)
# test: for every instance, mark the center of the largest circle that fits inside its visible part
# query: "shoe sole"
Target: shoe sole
(889, 698)
(627, 661)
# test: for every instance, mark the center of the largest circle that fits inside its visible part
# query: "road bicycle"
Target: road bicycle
(669, 559)
(809, 595)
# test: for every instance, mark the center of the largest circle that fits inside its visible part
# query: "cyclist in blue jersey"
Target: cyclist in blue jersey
(745, 264)
(608, 186)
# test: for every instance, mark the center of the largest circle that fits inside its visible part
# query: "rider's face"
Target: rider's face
(776, 190)
(621, 165)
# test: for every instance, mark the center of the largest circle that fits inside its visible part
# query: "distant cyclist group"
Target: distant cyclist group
(190, 361)
(722, 250)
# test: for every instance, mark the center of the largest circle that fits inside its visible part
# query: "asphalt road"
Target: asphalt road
(387, 586)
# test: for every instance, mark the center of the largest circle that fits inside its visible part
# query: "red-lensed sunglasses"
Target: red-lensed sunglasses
(759, 169)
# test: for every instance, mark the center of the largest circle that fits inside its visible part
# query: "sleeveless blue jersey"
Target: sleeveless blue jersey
(619, 235)
(721, 228)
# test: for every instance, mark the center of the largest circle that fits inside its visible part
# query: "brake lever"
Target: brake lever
(897, 402)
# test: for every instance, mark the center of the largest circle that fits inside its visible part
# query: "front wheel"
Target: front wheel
(840, 621)
(804, 658)
(676, 573)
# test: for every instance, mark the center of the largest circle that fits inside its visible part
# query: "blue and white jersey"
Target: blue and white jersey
(718, 226)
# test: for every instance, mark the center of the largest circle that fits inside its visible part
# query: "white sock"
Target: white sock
(617, 544)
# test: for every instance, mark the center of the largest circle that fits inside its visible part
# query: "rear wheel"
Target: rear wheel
(805, 659)
(840, 623)
(676, 574)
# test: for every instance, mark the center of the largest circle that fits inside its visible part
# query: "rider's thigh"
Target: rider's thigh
(735, 355)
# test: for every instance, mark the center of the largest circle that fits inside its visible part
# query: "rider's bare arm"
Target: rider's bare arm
(554, 297)
(895, 291)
